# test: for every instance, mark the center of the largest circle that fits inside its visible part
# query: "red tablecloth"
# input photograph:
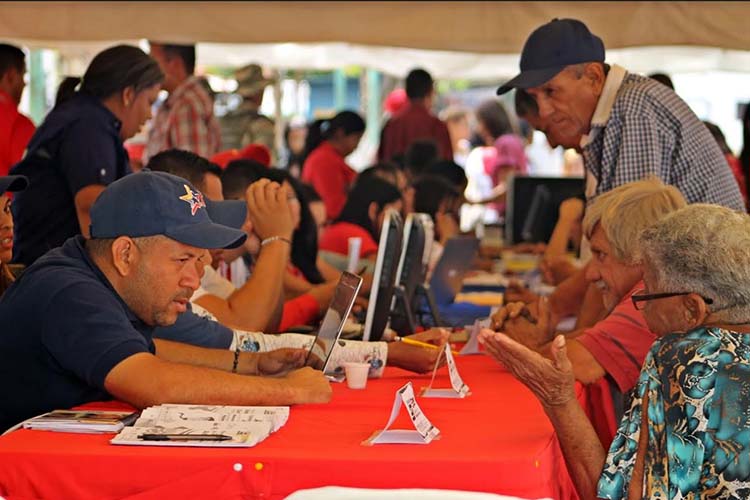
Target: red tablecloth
(496, 440)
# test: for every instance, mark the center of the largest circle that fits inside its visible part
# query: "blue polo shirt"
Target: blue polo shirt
(196, 330)
(77, 145)
(63, 329)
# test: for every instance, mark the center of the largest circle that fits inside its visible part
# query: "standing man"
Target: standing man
(15, 129)
(415, 121)
(630, 126)
(186, 119)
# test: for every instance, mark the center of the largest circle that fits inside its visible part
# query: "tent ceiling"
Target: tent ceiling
(478, 27)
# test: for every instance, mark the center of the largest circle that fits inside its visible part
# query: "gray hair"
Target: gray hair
(627, 210)
(704, 249)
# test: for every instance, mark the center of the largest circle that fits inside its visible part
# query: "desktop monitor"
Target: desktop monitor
(384, 277)
(411, 271)
(532, 206)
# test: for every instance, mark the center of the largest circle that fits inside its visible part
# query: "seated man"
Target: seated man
(616, 345)
(103, 297)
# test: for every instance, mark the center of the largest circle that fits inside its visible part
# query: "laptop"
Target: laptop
(334, 319)
(447, 278)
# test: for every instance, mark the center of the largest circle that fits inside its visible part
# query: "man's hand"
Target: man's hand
(517, 292)
(280, 361)
(415, 358)
(268, 209)
(309, 385)
(552, 382)
(521, 323)
(556, 269)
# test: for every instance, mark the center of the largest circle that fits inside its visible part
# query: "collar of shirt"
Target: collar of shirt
(604, 106)
(188, 85)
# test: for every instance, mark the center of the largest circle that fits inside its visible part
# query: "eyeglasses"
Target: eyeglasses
(639, 298)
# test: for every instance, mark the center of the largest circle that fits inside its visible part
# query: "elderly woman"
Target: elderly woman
(687, 432)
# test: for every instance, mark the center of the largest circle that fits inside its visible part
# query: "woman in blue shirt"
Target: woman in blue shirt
(78, 149)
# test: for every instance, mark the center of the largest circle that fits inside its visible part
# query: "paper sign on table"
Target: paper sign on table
(458, 388)
(425, 432)
(472, 344)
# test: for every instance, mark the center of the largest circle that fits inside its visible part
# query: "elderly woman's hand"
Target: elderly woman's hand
(551, 381)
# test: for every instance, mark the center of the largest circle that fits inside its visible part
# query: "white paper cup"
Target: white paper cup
(356, 374)
(355, 246)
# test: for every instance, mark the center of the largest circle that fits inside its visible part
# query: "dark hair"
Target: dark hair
(238, 175)
(6, 278)
(66, 89)
(309, 192)
(419, 155)
(662, 78)
(118, 68)
(718, 135)
(321, 130)
(11, 57)
(432, 191)
(185, 164)
(451, 172)
(525, 104)
(495, 119)
(358, 202)
(385, 170)
(184, 52)
(745, 153)
(304, 253)
(418, 84)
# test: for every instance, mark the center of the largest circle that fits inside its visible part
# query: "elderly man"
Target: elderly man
(101, 299)
(616, 345)
(685, 434)
(630, 126)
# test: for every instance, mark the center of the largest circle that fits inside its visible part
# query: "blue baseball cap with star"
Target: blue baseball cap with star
(157, 203)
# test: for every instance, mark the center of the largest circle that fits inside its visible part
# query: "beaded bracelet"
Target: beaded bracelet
(271, 239)
(236, 360)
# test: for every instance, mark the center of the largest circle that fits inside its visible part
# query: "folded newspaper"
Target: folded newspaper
(203, 425)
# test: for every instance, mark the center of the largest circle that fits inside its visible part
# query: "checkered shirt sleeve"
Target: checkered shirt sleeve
(651, 131)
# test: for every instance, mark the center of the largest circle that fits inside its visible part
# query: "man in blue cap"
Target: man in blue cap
(628, 126)
(100, 300)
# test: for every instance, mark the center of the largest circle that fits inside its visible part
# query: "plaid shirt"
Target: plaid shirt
(185, 121)
(643, 128)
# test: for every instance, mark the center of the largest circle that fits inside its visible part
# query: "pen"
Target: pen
(407, 340)
(184, 437)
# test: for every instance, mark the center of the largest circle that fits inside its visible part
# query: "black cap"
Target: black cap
(13, 183)
(552, 47)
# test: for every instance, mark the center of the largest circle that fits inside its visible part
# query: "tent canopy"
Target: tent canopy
(479, 27)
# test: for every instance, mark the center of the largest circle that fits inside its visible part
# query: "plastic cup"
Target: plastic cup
(356, 374)
(355, 245)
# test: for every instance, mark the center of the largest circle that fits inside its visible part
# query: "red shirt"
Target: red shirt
(620, 342)
(336, 239)
(331, 177)
(15, 132)
(412, 123)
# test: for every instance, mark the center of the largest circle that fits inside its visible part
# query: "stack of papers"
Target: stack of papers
(203, 425)
(84, 421)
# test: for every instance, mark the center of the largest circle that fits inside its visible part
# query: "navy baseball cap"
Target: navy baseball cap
(551, 47)
(157, 203)
(231, 213)
(13, 183)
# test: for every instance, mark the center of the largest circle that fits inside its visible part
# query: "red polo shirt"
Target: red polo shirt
(15, 132)
(336, 239)
(331, 177)
(412, 123)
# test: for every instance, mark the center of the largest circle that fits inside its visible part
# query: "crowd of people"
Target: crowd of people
(159, 277)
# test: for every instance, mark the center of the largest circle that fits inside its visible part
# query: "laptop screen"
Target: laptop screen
(335, 316)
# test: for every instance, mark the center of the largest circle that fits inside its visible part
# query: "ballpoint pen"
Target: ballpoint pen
(184, 437)
(407, 340)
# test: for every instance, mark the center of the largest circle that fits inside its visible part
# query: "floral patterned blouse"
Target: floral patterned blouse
(698, 388)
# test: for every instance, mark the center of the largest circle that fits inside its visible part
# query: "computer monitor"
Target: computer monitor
(333, 321)
(411, 271)
(532, 205)
(384, 277)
